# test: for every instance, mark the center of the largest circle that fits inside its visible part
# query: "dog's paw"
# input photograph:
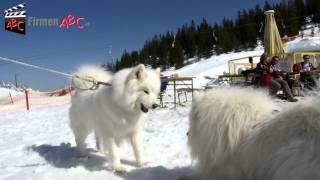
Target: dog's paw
(122, 169)
(81, 153)
(143, 163)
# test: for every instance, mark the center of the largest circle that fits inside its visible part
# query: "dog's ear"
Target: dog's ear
(137, 72)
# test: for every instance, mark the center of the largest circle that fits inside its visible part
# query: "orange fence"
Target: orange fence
(34, 100)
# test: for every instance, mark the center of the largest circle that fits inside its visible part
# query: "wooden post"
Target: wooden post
(11, 98)
(174, 93)
(192, 86)
(27, 99)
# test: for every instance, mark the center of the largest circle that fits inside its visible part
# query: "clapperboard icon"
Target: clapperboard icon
(15, 19)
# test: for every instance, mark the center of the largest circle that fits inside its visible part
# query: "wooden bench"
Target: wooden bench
(236, 79)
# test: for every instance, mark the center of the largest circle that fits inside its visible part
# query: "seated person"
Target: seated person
(281, 74)
(304, 68)
(306, 64)
(297, 68)
(271, 80)
(164, 83)
(282, 78)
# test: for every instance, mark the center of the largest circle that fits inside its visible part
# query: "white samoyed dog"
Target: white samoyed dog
(235, 134)
(114, 113)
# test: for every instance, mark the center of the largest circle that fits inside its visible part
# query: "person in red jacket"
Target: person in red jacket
(266, 70)
(263, 68)
(266, 67)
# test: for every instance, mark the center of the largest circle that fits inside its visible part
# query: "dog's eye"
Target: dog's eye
(145, 91)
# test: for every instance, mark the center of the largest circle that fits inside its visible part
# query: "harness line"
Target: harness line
(95, 83)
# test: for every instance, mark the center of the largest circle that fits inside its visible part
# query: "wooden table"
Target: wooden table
(313, 72)
(178, 81)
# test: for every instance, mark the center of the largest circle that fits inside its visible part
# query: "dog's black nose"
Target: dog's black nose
(187, 133)
(154, 106)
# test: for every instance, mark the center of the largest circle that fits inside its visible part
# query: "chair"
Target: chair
(183, 91)
(163, 88)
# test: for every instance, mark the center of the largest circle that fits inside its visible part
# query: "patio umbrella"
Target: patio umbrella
(272, 41)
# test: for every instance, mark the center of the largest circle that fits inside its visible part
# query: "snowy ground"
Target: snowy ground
(39, 145)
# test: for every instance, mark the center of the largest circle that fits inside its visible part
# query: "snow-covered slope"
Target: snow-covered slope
(216, 65)
(303, 45)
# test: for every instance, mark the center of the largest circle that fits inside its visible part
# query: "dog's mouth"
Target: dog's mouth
(144, 109)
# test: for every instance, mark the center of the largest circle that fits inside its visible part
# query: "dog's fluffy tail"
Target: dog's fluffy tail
(221, 119)
(87, 74)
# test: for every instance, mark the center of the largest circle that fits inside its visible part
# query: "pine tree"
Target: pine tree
(228, 41)
(312, 8)
(267, 6)
(176, 55)
(259, 22)
(293, 22)
(300, 12)
(204, 39)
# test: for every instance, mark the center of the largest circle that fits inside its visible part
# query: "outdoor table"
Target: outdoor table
(178, 81)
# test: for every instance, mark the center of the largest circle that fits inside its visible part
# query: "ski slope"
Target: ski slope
(213, 66)
(303, 45)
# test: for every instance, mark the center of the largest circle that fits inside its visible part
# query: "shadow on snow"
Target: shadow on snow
(65, 156)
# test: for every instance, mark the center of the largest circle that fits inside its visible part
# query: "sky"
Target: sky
(109, 28)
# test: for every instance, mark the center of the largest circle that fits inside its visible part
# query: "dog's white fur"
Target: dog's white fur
(233, 135)
(115, 113)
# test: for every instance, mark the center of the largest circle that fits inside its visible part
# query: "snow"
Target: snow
(38, 144)
(5, 92)
(310, 42)
(303, 45)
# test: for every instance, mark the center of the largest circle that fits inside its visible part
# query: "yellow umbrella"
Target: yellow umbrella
(272, 41)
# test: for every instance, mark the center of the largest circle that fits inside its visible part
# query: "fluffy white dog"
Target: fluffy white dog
(233, 135)
(114, 113)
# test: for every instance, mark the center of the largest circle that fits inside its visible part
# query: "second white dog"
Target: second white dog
(235, 135)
